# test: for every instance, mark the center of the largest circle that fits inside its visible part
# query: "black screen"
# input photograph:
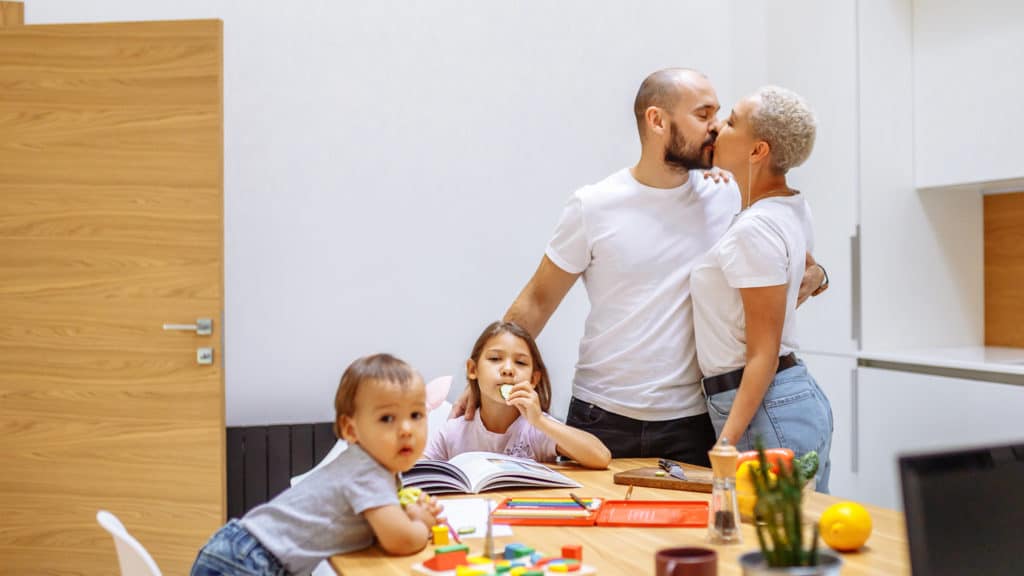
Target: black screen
(965, 511)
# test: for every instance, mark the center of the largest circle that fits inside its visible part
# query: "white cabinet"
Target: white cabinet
(967, 90)
(901, 412)
(921, 254)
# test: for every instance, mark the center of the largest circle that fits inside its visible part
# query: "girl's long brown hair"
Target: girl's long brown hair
(494, 329)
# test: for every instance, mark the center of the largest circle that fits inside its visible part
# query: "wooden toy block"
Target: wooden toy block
(454, 560)
(440, 534)
(513, 550)
(452, 548)
(447, 557)
(550, 570)
(574, 551)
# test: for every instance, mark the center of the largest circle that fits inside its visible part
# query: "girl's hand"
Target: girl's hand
(526, 400)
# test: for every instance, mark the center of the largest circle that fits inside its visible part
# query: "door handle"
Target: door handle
(202, 327)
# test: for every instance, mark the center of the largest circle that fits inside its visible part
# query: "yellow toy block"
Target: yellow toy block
(440, 534)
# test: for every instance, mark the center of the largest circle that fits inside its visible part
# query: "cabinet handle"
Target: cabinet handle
(854, 424)
(855, 326)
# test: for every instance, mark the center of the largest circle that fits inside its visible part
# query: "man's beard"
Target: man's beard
(677, 154)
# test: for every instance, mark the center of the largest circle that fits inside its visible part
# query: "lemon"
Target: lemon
(845, 526)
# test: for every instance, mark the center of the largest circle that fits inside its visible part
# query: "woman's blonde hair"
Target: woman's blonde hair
(786, 123)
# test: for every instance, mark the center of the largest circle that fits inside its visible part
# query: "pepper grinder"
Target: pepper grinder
(724, 523)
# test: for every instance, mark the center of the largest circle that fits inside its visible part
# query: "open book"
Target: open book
(472, 472)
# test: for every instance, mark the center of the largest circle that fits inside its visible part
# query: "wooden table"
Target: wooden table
(630, 551)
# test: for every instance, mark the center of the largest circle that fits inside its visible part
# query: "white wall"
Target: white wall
(395, 168)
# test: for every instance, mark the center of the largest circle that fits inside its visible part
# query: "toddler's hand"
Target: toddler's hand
(433, 505)
(426, 510)
(525, 399)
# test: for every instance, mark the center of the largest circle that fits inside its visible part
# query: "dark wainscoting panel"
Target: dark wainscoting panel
(262, 460)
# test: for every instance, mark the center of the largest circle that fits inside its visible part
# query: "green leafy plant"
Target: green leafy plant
(779, 512)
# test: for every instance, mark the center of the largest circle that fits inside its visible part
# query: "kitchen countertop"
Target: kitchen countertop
(992, 359)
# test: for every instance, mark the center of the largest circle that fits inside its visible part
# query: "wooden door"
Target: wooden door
(111, 224)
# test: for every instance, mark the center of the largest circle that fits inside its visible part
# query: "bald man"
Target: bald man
(634, 238)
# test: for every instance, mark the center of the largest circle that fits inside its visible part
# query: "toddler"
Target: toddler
(381, 411)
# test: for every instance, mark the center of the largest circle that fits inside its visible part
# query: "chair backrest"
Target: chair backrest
(132, 556)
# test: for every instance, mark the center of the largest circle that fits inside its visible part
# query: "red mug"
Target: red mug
(686, 562)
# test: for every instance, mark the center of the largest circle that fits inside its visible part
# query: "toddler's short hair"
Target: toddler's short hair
(378, 367)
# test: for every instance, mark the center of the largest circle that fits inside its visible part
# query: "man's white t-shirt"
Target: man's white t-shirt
(635, 246)
(766, 245)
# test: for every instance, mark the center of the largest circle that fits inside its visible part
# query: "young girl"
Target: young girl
(507, 376)
(381, 411)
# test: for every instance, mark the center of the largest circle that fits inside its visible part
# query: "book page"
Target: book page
(436, 477)
(487, 470)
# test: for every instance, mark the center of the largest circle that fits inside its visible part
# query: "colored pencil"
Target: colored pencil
(574, 512)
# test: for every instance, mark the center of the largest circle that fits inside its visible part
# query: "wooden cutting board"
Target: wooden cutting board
(699, 479)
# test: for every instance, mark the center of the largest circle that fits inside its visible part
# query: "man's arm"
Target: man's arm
(814, 281)
(538, 300)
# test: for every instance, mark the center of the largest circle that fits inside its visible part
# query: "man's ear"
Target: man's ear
(655, 119)
(347, 429)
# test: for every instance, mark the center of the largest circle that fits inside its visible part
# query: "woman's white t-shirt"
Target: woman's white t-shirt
(766, 245)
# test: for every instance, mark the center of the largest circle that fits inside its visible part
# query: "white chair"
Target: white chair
(132, 556)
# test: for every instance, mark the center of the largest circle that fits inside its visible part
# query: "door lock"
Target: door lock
(204, 356)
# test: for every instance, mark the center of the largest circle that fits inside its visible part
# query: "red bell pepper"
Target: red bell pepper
(773, 455)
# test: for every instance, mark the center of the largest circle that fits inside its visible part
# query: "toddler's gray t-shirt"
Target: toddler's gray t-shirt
(322, 515)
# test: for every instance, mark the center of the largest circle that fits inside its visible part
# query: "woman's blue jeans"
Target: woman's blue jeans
(794, 414)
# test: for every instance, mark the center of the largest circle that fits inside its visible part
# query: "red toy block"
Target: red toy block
(574, 551)
(446, 560)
